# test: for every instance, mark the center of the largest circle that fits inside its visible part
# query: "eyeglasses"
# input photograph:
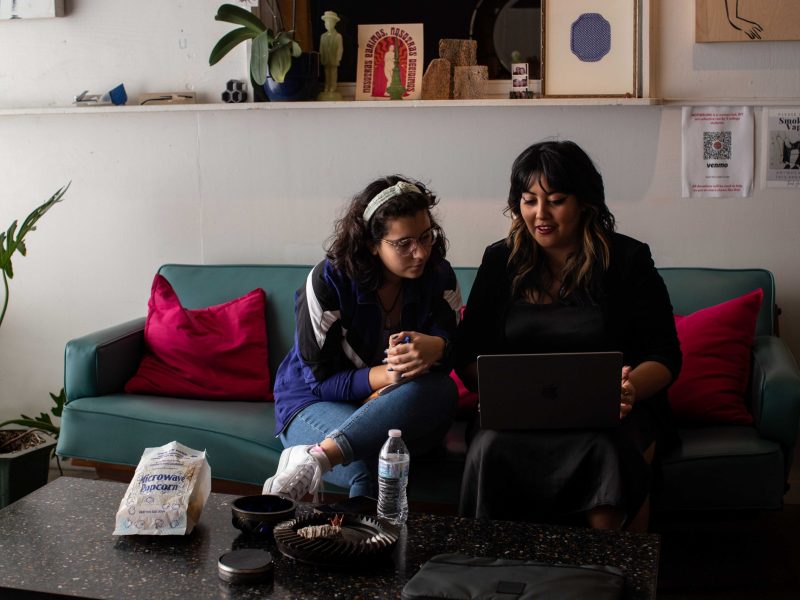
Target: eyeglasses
(407, 246)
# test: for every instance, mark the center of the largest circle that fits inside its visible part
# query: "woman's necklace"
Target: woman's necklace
(388, 311)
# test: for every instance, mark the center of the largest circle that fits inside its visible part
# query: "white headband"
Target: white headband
(381, 198)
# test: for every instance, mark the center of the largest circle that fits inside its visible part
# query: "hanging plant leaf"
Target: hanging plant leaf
(228, 42)
(296, 50)
(12, 241)
(237, 15)
(60, 400)
(279, 65)
(259, 59)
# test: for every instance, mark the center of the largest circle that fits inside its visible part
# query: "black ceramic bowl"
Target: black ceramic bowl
(257, 515)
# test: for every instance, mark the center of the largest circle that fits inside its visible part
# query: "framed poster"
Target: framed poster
(590, 48)
(390, 62)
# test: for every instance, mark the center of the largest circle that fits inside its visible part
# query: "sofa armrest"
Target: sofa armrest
(102, 362)
(775, 391)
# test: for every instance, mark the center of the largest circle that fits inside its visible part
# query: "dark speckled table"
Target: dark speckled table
(57, 543)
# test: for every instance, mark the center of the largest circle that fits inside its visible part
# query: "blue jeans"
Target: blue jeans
(423, 409)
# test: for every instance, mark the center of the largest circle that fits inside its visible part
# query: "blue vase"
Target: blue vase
(301, 81)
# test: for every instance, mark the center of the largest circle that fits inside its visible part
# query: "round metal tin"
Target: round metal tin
(248, 565)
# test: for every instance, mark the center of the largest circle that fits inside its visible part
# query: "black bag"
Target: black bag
(460, 577)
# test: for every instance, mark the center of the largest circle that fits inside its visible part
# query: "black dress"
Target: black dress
(557, 476)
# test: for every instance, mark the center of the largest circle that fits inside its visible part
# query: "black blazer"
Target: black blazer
(636, 308)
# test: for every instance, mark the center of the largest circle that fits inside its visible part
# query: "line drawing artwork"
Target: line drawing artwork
(750, 28)
(747, 20)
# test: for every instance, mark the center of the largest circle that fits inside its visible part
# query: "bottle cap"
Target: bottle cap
(395, 433)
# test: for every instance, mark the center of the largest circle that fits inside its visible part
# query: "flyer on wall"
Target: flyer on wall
(782, 147)
(718, 146)
(390, 62)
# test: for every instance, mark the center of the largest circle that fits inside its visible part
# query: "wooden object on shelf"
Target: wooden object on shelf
(437, 83)
(460, 53)
(469, 83)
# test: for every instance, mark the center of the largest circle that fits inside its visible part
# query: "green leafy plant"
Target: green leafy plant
(43, 422)
(272, 51)
(12, 241)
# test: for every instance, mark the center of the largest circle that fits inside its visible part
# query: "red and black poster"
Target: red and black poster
(390, 62)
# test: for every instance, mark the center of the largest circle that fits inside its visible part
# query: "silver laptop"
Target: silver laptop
(549, 391)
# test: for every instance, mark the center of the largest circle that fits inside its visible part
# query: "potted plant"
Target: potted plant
(276, 60)
(24, 454)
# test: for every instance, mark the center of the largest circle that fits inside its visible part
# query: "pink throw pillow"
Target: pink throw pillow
(214, 353)
(467, 401)
(717, 344)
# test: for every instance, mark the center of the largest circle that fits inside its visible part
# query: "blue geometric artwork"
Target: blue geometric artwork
(591, 37)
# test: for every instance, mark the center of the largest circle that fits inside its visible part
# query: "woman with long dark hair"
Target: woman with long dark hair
(564, 281)
(374, 324)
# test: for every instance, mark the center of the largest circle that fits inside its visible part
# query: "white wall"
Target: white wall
(265, 185)
(148, 45)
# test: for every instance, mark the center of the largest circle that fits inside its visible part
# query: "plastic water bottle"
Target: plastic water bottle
(393, 465)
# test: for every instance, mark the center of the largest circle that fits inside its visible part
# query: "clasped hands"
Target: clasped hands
(409, 355)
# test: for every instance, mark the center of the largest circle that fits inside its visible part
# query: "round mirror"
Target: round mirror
(516, 34)
(508, 31)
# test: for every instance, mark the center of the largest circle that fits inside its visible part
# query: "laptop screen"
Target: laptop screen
(549, 391)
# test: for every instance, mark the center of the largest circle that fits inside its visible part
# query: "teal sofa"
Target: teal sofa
(715, 467)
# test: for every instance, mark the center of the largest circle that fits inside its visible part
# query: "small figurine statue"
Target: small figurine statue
(395, 89)
(330, 50)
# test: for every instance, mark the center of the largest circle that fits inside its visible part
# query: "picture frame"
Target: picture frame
(382, 49)
(590, 48)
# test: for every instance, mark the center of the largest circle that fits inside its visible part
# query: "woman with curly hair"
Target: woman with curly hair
(564, 281)
(373, 326)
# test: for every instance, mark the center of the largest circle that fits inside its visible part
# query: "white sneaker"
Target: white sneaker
(299, 473)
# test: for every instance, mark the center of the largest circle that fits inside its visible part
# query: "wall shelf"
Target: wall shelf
(406, 104)
(343, 105)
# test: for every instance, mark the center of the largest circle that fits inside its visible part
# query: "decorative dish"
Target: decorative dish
(339, 540)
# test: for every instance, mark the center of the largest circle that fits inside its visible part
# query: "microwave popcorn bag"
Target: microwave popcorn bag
(167, 493)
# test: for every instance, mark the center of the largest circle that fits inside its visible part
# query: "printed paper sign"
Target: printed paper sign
(782, 147)
(390, 62)
(717, 151)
